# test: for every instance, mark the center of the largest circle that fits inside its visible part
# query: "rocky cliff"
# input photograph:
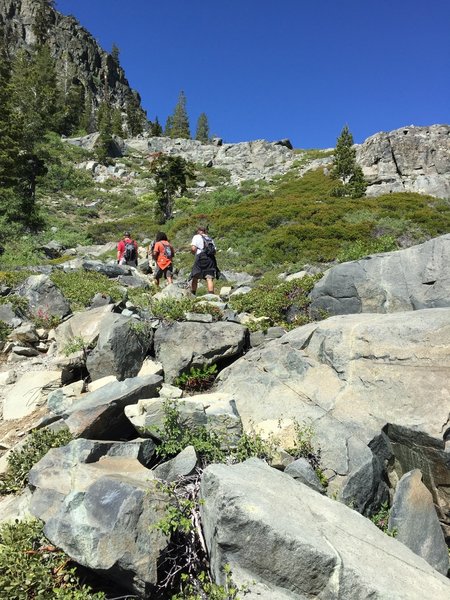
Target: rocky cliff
(410, 159)
(78, 55)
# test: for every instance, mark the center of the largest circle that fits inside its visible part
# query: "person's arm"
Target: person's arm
(119, 251)
(155, 252)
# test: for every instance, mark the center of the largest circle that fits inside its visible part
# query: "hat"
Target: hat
(126, 234)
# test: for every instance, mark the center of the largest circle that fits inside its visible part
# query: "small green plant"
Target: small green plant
(252, 444)
(381, 520)
(202, 588)
(197, 379)
(304, 447)
(5, 330)
(360, 248)
(31, 567)
(74, 345)
(175, 436)
(18, 303)
(22, 460)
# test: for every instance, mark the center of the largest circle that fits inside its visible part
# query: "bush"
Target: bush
(31, 567)
(360, 248)
(273, 301)
(79, 287)
(197, 379)
(22, 460)
(5, 330)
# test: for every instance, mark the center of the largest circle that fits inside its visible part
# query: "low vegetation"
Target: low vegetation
(79, 287)
(31, 567)
(20, 461)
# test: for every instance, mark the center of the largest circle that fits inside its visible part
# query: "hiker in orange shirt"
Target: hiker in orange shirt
(163, 253)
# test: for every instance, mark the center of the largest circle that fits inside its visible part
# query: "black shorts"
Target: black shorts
(167, 272)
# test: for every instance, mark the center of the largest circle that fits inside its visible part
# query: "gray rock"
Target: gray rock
(203, 344)
(121, 348)
(109, 270)
(83, 325)
(100, 300)
(302, 471)
(198, 317)
(100, 414)
(373, 388)
(245, 289)
(181, 466)
(25, 351)
(410, 279)
(133, 281)
(7, 314)
(53, 249)
(101, 512)
(338, 553)
(43, 296)
(410, 159)
(414, 519)
(26, 334)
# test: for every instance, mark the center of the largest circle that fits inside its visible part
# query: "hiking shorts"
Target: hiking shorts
(167, 272)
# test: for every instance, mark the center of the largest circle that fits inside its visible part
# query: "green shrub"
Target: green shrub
(273, 301)
(42, 318)
(361, 248)
(171, 309)
(197, 379)
(79, 287)
(381, 520)
(20, 461)
(31, 567)
(5, 330)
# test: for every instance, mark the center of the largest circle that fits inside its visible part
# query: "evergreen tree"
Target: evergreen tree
(43, 20)
(19, 166)
(168, 126)
(87, 119)
(346, 169)
(171, 175)
(135, 117)
(116, 122)
(180, 120)
(115, 53)
(103, 145)
(155, 128)
(202, 133)
(34, 93)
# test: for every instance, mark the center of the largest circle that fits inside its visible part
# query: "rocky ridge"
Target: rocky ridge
(75, 50)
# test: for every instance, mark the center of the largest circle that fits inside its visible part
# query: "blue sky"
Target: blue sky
(270, 69)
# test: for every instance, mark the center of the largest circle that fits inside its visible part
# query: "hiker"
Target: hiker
(163, 253)
(205, 264)
(127, 251)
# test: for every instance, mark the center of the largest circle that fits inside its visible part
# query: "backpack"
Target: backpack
(129, 253)
(167, 250)
(208, 246)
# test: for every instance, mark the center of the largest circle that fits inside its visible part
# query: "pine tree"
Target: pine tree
(180, 120)
(103, 144)
(19, 166)
(116, 122)
(87, 119)
(43, 20)
(115, 53)
(202, 133)
(155, 128)
(135, 117)
(171, 174)
(168, 126)
(346, 169)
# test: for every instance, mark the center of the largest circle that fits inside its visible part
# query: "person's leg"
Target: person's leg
(194, 284)
(210, 284)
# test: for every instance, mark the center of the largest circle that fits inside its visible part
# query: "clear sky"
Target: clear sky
(272, 69)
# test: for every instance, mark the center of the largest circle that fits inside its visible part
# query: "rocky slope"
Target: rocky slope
(373, 387)
(77, 53)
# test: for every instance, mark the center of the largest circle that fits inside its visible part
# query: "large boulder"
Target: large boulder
(101, 509)
(181, 346)
(411, 279)
(29, 392)
(410, 159)
(100, 414)
(374, 388)
(84, 325)
(299, 544)
(121, 348)
(43, 297)
(413, 518)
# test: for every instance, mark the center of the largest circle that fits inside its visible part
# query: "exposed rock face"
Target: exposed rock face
(101, 510)
(285, 541)
(75, 50)
(247, 160)
(44, 298)
(414, 519)
(410, 159)
(411, 279)
(372, 387)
